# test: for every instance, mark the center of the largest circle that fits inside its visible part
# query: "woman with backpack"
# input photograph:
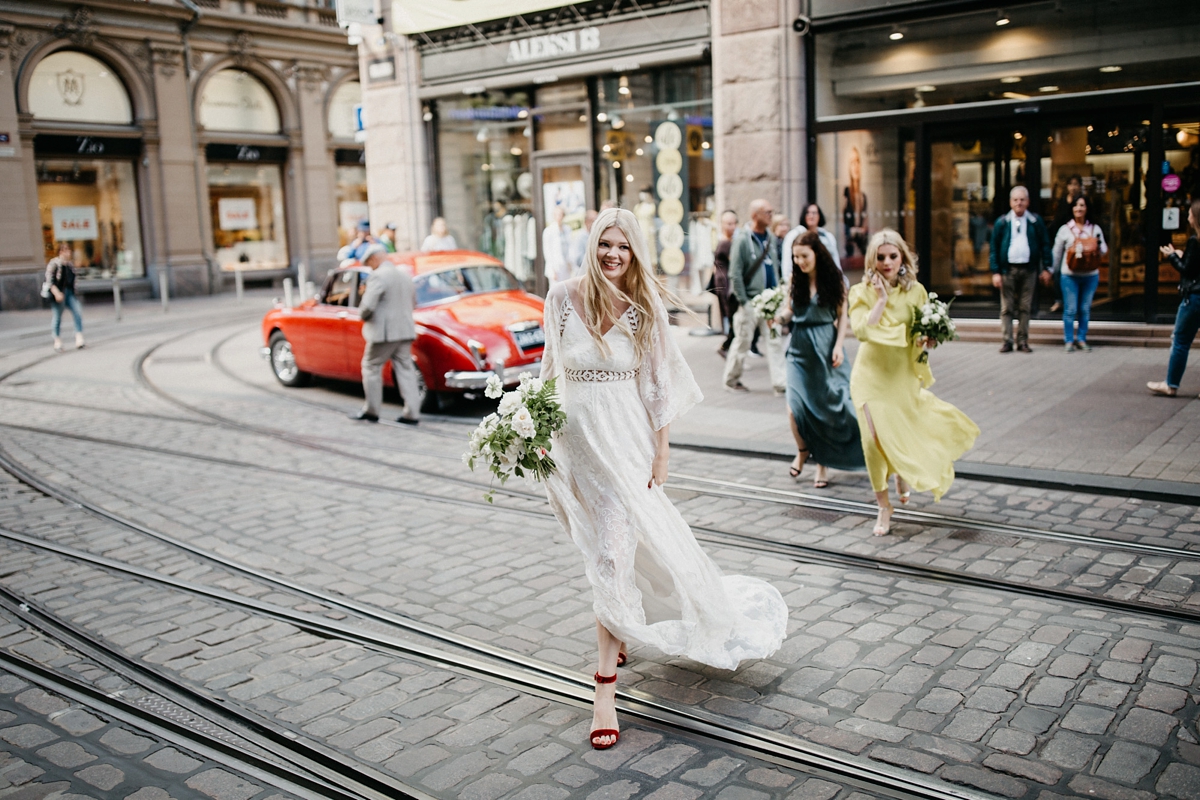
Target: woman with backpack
(1078, 248)
(60, 288)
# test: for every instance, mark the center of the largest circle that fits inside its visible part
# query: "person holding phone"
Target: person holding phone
(1187, 318)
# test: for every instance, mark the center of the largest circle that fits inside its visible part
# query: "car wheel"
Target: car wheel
(429, 400)
(283, 362)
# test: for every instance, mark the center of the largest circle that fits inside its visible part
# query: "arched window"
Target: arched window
(341, 109)
(73, 86)
(234, 100)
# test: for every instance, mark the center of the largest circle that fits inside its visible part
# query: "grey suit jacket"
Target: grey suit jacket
(391, 298)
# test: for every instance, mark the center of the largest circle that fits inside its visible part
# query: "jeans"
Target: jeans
(1077, 293)
(1187, 321)
(56, 310)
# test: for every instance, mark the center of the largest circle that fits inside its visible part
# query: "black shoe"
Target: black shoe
(1006, 347)
(1024, 348)
(407, 421)
(365, 416)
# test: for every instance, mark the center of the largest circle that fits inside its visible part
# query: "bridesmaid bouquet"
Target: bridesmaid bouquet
(932, 321)
(766, 305)
(516, 439)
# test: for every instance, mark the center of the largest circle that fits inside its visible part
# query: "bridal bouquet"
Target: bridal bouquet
(516, 439)
(766, 305)
(932, 321)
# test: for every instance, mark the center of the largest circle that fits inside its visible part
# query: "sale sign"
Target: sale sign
(73, 223)
(237, 213)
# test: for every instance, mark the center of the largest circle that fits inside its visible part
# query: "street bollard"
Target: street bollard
(287, 293)
(302, 280)
(240, 283)
(310, 290)
(117, 297)
(164, 289)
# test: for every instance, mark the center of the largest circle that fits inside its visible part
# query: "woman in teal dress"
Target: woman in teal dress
(818, 376)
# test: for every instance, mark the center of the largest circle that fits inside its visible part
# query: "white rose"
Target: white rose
(495, 387)
(509, 403)
(522, 423)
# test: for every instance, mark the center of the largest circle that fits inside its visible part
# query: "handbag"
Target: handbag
(1083, 255)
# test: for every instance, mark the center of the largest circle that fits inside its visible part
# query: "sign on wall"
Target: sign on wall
(237, 213)
(234, 100)
(73, 86)
(75, 223)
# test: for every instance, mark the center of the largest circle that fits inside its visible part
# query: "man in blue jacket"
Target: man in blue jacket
(1020, 251)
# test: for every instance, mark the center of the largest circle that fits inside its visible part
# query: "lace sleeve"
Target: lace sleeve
(665, 380)
(552, 329)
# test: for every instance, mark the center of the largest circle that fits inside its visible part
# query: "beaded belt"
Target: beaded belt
(600, 375)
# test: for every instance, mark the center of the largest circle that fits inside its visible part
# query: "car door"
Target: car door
(353, 344)
(326, 338)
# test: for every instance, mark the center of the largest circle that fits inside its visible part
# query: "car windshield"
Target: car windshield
(435, 286)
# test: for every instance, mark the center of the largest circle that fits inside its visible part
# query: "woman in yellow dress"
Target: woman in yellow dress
(906, 431)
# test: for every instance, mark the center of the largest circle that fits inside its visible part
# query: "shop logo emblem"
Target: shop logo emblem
(245, 153)
(70, 87)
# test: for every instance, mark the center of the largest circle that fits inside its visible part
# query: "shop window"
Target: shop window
(858, 189)
(1040, 51)
(486, 188)
(93, 206)
(341, 110)
(1180, 184)
(352, 201)
(234, 100)
(656, 158)
(246, 206)
(73, 86)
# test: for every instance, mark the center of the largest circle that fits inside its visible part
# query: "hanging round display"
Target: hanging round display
(669, 162)
(670, 235)
(671, 260)
(525, 185)
(669, 185)
(668, 136)
(670, 211)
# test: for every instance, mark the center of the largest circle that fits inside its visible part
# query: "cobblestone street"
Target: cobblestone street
(1010, 641)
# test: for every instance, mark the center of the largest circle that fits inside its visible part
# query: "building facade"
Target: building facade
(176, 145)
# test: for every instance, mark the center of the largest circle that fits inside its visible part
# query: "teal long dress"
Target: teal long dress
(818, 394)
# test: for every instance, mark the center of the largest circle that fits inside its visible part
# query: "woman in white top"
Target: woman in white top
(1078, 249)
(622, 381)
(439, 237)
(811, 219)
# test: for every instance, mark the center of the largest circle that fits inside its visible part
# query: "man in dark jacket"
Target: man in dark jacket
(1020, 252)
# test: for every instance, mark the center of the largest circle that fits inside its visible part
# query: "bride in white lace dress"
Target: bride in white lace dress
(622, 380)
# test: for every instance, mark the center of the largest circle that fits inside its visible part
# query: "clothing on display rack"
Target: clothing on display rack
(702, 243)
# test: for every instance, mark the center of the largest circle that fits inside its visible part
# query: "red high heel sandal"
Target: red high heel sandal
(621, 659)
(602, 732)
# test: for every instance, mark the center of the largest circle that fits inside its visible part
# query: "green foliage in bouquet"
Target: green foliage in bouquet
(516, 440)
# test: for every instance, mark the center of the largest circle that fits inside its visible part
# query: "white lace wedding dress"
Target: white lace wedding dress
(652, 584)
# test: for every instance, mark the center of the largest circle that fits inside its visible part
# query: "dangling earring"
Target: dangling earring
(903, 270)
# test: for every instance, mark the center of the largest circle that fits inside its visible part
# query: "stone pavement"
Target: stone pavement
(1085, 414)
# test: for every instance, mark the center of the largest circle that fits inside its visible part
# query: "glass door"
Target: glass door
(1180, 182)
(562, 193)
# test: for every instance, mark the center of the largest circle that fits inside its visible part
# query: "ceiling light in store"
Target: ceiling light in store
(607, 148)
(927, 88)
(522, 114)
(602, 117)
(624, 90)
(618, 123)
(427, 116)
(896, 36)
(583, 117)
(639, 152)
(485, 167)
(616, 165)
(1089, 128)
(629, 179)
(1050, 88)
(1018, 135)
(1014, 96)
(1113, 68)
(1010, 79)
(482, 135)
(623, 86)
(648, 139)
(516, 151)
(1002, 19)
(705, 145)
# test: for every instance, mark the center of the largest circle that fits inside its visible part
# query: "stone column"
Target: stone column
(20, 224)
(397, 154)
(316, 169)
(176, 216)
(758, 105)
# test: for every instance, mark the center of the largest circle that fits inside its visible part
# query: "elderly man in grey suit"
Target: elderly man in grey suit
(387, 314)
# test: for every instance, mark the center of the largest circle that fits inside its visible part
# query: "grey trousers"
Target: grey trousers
(1016, 299)
(403, 370)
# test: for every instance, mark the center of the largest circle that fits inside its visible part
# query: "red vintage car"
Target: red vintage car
(473, 320)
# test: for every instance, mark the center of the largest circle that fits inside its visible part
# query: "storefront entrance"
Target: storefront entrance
(562, 194)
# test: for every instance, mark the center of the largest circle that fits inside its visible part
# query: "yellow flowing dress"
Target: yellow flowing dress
(919, 436)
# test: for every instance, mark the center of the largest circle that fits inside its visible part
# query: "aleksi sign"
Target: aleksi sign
(553, 45)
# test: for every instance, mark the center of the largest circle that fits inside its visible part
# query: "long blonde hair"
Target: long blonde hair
(908, 262)
(643, 290)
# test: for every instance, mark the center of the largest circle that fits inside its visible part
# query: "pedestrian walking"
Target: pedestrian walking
(439, 237)
(1078, 247)
(906, 431)
(59, 287)
(753, 267)
(1187, 318)
(387, 313)
(388, 237)
(1062, 216)
(622, 380)
(726, 302)
(812, 218)
(1020, 251)
(820, 411)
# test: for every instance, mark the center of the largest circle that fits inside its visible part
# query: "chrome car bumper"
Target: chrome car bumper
(479, 379)
(264, 353)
